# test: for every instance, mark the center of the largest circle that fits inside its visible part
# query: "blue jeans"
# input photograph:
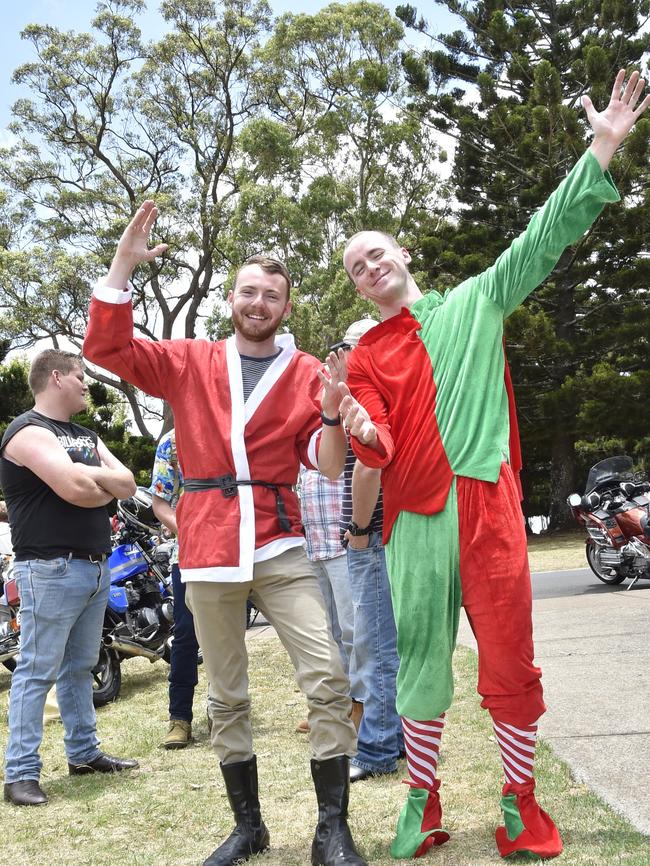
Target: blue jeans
(334, 582)
(62, 604)
(375, 651)
(183, 670)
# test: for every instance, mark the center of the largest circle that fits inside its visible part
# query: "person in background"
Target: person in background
(166, 488)
(57, 478)
(320, 505)
(380, 741)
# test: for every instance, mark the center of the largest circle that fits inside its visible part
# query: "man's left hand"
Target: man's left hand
(614, 123)
(355, 418)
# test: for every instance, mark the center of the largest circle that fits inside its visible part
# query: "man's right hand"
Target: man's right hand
(133, 246)
(356, 419)
(357, 542)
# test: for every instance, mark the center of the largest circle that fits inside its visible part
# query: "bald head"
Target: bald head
(366, 234)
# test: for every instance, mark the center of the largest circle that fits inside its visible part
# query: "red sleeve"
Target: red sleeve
(367, 394)
(109, 343)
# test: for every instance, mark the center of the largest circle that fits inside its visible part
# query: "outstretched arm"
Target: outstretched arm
(613, 124)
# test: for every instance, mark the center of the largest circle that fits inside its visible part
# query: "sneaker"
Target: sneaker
(179, 734)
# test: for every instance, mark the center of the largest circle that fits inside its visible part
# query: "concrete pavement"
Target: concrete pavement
(594, 650)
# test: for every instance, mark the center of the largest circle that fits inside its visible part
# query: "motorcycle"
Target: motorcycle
(139, 618)
(615, 511)
(9, 615)
(139, 614)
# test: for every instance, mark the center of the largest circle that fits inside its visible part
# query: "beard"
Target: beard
(256, 332)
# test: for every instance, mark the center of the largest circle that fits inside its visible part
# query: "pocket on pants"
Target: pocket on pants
(49, 568)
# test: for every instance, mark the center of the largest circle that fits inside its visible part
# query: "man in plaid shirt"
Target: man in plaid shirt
(320, 504)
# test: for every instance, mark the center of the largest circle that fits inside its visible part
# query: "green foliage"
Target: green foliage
(252, 135)
(509, 89)
(105, 415)
(284, 136)
(15, 396)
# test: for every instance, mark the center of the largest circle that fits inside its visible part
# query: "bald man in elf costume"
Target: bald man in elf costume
(428, 404)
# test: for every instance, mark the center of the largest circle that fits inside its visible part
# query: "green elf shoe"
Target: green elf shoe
(528, 829)
(419, 826)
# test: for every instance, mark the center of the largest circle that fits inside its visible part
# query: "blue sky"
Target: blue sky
(76, 15)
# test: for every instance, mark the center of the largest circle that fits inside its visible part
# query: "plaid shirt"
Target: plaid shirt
(320, 501)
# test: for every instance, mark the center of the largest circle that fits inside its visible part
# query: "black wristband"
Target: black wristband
(356, 530)
(330, 422)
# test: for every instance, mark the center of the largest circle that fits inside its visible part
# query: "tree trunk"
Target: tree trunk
(562, 479)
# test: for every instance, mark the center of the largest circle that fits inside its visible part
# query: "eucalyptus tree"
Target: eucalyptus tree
(112, 120)
(337, 150)
(252, 135)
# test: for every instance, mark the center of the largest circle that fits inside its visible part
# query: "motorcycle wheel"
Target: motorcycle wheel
(607, 574)
(107, 677)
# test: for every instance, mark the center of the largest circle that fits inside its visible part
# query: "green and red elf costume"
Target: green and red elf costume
(432, 379)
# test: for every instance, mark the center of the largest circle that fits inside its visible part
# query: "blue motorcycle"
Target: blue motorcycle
(139, 618)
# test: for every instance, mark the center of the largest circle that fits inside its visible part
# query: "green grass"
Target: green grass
(556, 551)
(173, 811)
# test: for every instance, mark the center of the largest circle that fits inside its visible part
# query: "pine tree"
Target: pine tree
(507, 87)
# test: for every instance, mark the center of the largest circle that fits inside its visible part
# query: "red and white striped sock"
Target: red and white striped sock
(517, 750)
(422, 746)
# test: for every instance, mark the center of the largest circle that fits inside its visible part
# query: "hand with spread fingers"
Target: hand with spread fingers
(133, 246)
(355, 418)
(334, 373)
(611, 125)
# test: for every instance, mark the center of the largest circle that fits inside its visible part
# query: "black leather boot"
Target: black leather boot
(250, 835)
(333, 844)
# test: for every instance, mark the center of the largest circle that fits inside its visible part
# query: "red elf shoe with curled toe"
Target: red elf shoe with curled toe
(528, 829)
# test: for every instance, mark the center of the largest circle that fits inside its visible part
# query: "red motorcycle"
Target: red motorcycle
(615, 511)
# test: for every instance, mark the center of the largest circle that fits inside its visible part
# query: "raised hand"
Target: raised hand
(333, 374)
(355, 418)
(614, 123)
(133, 246)
(134, 243)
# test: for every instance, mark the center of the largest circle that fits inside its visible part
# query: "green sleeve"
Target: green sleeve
(565, 217)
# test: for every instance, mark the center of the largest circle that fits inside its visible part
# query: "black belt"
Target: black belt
(91, 557)
(228, 485)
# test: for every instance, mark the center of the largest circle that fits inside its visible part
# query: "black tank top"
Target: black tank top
(43, 525)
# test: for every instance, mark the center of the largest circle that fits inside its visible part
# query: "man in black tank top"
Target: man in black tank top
(57, 478)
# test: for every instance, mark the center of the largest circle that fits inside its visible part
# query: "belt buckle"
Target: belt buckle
(228, 486)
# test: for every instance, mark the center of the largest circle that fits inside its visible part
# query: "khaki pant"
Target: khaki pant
(286, 591)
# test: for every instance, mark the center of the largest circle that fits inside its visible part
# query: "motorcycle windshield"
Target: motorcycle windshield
(608, 472)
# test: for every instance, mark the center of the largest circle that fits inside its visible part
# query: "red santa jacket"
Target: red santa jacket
(265, 439)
